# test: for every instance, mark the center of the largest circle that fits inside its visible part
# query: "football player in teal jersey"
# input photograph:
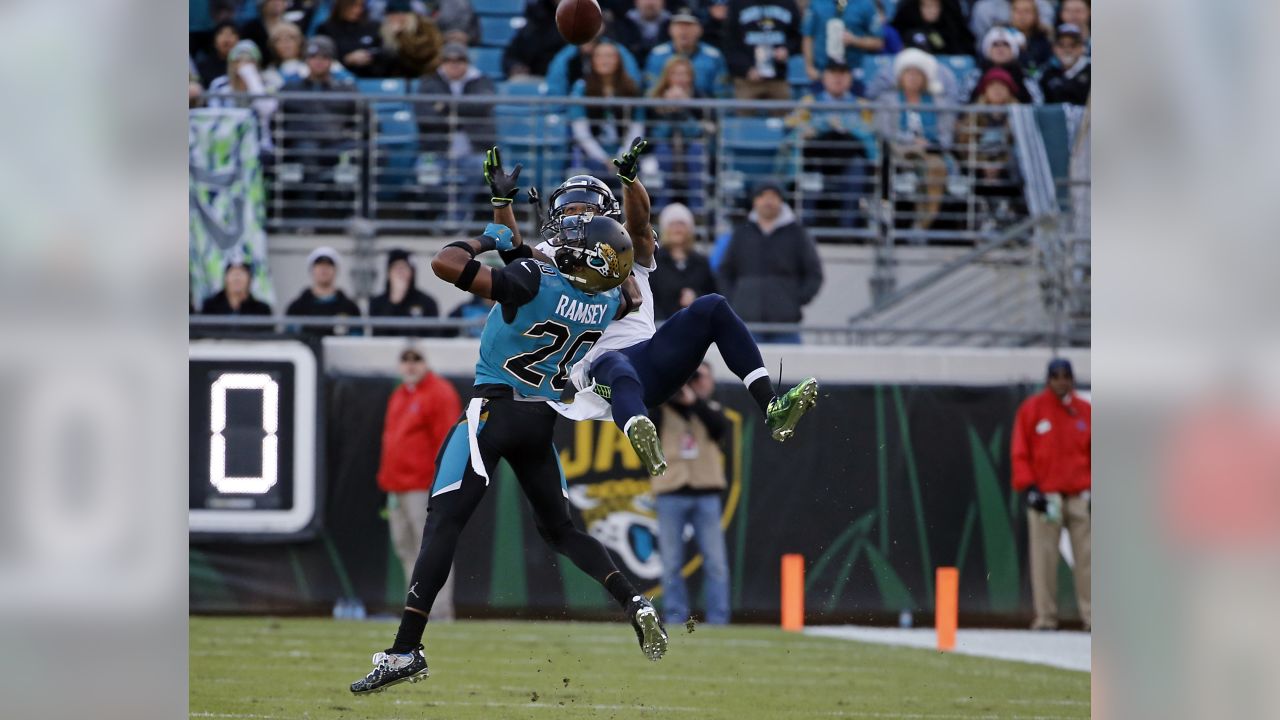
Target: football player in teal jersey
(547, 315)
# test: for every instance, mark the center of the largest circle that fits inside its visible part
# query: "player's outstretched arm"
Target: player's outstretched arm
(502, 192)
(636, 211)
(456, 263)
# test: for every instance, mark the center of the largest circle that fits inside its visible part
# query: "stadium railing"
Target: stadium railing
(400, 161)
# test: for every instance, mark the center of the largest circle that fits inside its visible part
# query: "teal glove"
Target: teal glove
(502, 187)
(501, 235)
(629, 163)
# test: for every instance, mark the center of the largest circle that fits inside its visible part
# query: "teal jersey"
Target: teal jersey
(545, 336)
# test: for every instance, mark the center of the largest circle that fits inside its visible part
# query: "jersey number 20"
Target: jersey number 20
(522, 365)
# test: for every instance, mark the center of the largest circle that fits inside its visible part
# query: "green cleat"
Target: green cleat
(786, 410)
(644, 438)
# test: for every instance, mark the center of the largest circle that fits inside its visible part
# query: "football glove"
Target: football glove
(1036, 500)
(629, 164)
(501, 235)
(502, 187)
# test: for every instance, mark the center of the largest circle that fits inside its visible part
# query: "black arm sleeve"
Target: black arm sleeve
(516, 284)
(510, 256)
(717, 424)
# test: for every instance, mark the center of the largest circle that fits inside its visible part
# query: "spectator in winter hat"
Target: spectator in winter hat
(684, 273)
(917, 134)
(1001, 47)
(236, 296)
(323, 298)
(244, 78)
(710, 74)
(402, 298)
(985, 139)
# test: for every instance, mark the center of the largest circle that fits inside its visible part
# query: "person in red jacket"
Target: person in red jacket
(420, 413)
(1052, 437)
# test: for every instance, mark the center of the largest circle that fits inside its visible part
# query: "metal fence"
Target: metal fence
(853, 172)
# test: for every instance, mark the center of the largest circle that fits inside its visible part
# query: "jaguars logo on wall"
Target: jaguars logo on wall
(610, 490)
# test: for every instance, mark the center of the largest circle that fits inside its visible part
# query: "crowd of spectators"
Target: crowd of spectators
(323, 298)
(882, 51)
(746, 41)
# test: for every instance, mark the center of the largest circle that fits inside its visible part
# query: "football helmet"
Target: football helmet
(581, 189)
(593, 252)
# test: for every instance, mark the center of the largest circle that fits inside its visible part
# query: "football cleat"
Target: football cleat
(785, 411)
(649, 630)
(644, 438)
(392, 669)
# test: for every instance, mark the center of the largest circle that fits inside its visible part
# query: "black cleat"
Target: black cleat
(649, 630)
(392, 669)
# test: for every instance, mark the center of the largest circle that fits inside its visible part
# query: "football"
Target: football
(578, 20)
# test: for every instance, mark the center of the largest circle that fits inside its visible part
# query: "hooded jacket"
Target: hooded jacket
(475, 119)
(770, 278)
(415, 303)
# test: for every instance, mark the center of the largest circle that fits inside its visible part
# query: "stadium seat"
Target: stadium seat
(522, 88)
(488, 60)
(497, 31)
(751, 145)
(871, 66)
(498, 7)
(396, 145)
(797, 78)
(382, 86)
(795, 71)
(963, 66)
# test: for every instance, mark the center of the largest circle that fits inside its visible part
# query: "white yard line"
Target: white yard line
(1066, 650)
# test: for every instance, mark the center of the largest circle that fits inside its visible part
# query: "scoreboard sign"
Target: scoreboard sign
(252, 437)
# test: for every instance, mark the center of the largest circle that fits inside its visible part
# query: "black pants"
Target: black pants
(520, 433)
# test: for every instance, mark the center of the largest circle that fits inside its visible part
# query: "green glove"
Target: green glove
(629, 163)
(502, 187)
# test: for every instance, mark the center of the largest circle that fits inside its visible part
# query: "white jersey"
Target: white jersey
(633, 329)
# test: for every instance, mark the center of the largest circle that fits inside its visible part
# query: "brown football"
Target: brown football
(578, 20)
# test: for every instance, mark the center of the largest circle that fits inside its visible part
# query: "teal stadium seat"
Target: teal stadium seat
(396, 144)
(488, 60)
(872, 65)
(797, 78)
(382, 87)
(751, 145)
(497, 31)
(498, 7)
(522, 88)
(966, 70)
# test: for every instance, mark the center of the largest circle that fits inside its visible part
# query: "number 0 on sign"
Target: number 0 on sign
(270, 393)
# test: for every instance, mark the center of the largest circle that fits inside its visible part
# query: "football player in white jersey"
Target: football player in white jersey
(635, 365)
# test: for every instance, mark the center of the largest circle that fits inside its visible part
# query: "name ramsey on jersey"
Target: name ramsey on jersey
(580, 312)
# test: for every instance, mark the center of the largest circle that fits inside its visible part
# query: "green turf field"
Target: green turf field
(264, 668)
